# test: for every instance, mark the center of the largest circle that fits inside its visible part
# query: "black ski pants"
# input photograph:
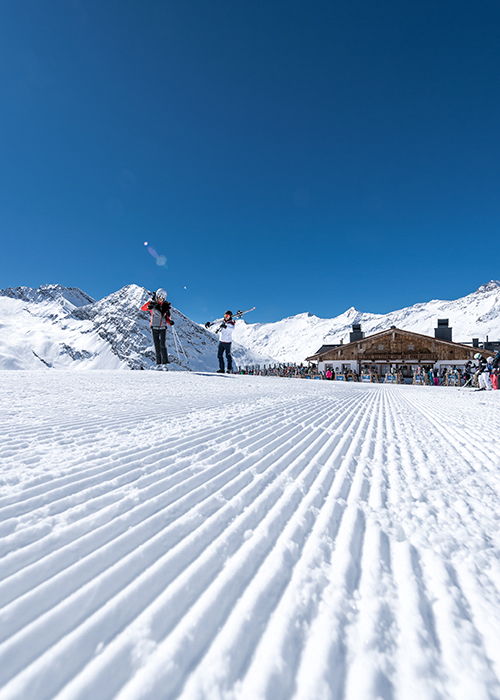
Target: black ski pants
(225, 348)
(160, 347)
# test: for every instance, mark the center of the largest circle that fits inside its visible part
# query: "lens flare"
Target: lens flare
(161, 260)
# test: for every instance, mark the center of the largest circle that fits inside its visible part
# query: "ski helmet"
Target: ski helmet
(228, 313)
(477, 356)
(161, 293)
(489, 359)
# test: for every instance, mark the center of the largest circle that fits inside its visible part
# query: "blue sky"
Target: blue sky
(294, 156)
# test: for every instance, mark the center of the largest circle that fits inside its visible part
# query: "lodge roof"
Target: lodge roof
(325, 348)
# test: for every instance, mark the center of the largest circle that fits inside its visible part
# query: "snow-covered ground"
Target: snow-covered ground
(171, 535)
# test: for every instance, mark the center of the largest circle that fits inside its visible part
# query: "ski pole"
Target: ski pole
(176, 344)
(468, 381)
(177, 339)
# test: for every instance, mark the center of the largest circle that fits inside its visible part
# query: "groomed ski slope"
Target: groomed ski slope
(167, 535)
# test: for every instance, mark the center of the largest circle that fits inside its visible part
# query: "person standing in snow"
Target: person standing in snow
(495, 365)
(159, 309)
(225, 340)
(467, 372)
(483, 373)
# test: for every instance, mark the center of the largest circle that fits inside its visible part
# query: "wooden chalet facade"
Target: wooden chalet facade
(393, 348)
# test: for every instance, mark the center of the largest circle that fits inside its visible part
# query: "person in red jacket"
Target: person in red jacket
(159, 308)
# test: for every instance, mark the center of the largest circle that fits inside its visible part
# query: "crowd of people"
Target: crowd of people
(483, 375)
(284, 369)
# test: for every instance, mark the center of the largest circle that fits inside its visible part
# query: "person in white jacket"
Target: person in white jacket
(483, 372)
(225, 339)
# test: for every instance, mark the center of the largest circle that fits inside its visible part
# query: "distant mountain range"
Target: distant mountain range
(59, 327)
(476, 315)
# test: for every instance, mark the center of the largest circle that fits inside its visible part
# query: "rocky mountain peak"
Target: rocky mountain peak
(68, 297)
(491, 286)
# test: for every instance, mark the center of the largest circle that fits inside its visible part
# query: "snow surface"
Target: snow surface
(171, 535)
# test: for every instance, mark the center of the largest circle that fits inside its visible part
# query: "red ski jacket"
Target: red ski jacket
(160, 313)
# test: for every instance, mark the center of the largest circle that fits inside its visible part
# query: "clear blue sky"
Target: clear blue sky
(293, 156)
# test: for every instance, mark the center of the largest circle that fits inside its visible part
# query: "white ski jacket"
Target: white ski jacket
(226, 334)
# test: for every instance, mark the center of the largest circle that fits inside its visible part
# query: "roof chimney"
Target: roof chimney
(356, 334)
(443, 332)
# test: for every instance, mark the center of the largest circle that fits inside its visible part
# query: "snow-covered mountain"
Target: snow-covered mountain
(292, 339)
(59, 327)
(64, 298)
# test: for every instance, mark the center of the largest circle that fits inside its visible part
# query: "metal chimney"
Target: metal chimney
(356, 334)
(443, 332)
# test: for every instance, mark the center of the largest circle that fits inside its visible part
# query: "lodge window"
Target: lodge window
(410, 347)
(380, 347)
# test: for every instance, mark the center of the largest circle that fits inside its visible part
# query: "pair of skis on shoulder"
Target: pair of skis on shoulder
(220, 321)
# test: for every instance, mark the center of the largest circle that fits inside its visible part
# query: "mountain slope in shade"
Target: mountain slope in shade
(55, 327)
(292, 339)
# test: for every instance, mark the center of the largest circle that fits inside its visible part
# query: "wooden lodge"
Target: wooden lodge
(393, 350)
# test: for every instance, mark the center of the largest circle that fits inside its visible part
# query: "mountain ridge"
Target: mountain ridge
(477, 315)
(56, 327)
(63, 327)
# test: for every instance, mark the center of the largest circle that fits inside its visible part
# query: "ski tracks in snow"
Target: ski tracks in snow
(177, 536)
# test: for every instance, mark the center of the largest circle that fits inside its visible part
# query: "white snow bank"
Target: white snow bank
(169, 535)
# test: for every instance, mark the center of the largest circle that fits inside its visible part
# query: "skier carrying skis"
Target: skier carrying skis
(226, 329)
(225, 339)
(159, 308)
